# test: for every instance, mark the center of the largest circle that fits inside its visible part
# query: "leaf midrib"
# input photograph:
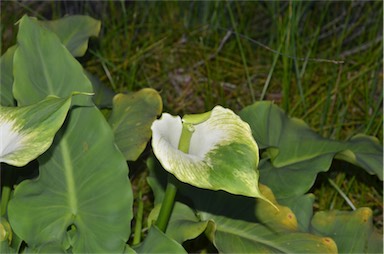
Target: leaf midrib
(69, 176)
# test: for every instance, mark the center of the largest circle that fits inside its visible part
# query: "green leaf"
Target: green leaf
(131, 120)
(43, 66)
(74, 31)
(353, 232)
(157, 179)
(239, 224)
(83, 182)
(26, 132)
(302, 207)
(244, 225)
(294, 154)
(6, 77)
(50, 247)
(82, 198)
(103, 94)
(158, 242)
(222, 154)
(183, 224)
(292, 180)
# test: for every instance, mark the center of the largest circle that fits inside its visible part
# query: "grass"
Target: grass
(320, 61)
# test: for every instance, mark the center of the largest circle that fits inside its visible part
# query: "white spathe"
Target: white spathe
(28, 131)
(11, 140)
(222, 153)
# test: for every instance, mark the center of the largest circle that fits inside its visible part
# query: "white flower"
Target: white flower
(221, 153)
(28, 131)
(11, 139)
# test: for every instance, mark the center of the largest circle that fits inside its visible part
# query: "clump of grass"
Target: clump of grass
(321, 61)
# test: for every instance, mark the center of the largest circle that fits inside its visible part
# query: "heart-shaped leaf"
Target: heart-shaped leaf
(26, 132)
(134, 113)
(290, 140)
(82, 198)
(74, 31)
(83, 182)
(43, 66)
(295, 154)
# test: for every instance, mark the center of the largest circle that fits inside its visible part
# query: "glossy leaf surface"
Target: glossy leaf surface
(269, 230)
(82, 197)
(43, 66)
(83, 182)
(238, 224)
(74, 31)
(295, 154)
(131, 120)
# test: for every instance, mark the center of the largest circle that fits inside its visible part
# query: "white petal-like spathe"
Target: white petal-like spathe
(166, 134)
(11, 140)
(222, 154)
(222, 128)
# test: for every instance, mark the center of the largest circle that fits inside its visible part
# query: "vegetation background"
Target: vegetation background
(321, 61)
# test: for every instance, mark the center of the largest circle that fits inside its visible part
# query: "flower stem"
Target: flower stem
(6, 190)
(170, 192)
(139, 219)
(166, 206)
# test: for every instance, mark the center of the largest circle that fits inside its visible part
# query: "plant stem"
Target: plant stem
(170, 192)
(139, 220)
(6, 190)
(166, 206)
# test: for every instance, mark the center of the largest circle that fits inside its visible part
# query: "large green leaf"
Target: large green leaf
(292, 180)
(82, 198)
(270, 231)
(290, 140)
(74, 31)
(43, 66)
(134, 113)
(157, 242)
(26, 132)
(238, 224)
(6, 77)
(295, 154)
(352, 231)
(83, 182)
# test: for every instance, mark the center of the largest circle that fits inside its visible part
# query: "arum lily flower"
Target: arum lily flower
(28, 131)
(214, 150)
